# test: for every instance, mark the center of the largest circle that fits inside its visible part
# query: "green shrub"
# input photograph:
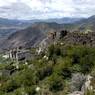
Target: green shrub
(55, 83)
(26, 78)
(9, 86)
(44, 72)
(51, 51)
(89, 92)
(86, 63)
(30, 90)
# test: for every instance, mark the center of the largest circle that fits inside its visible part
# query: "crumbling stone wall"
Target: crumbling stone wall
(79, 38)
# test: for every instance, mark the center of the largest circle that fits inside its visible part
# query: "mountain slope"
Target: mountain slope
(65, 20)
(30, 36)
(46, 27)
(37, 31)
(84, 25)
(24, 38)
(9, 26)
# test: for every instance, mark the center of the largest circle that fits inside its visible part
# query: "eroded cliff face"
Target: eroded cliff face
(79, 39)
(23, 38)
(70, 38)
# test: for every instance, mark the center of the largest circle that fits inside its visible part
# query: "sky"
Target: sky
(46, 9)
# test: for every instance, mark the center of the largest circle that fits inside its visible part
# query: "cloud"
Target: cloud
(6, 2)
(44, 9)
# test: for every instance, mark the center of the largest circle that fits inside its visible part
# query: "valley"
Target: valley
(48, 58)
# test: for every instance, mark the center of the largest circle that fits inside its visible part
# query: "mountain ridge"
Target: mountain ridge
(84, 25)
(37, 31)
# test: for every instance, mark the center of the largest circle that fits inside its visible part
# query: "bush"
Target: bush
(63, 33)
(89, 92)
(86, 63)
(44, 72)
(93, 71)
(54, 50)
(26, 78)
(76, 68)
(63, 67)
(51, 51)
(9, 86)
(55, 83)
(30, 90)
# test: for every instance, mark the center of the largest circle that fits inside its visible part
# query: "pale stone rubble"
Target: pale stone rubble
(86, 84)
(77, 93)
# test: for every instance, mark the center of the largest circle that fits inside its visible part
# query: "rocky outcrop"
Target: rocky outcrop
(80, 39)
(80, 84)
(77, 82)
(76, 93)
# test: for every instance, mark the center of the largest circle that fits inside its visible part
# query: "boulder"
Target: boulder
(77, 82)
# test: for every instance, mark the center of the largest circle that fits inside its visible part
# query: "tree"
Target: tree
(63, 33)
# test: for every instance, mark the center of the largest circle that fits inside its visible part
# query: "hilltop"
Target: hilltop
(60, 69)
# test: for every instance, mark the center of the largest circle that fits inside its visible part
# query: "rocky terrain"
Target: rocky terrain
(30, 36)
(61, 61)
(83, 26)
(24, 38)
(80, 38)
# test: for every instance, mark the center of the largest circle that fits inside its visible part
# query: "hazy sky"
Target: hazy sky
(44, 9)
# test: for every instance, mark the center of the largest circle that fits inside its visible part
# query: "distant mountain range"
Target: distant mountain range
(64, 20)
(12, 22)
(36, 31)
(84, 25)
(9, 26)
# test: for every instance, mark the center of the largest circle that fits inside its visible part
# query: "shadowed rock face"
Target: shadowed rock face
(25, 38)
(31, 36)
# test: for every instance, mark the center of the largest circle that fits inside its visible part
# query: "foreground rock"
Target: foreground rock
(77, 93)
(80, 84)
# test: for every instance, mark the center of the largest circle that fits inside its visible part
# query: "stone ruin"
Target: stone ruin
(79, 39)
(20, 54)
(57, 34)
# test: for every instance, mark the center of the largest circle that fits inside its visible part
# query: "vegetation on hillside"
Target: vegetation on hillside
(52, 75)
